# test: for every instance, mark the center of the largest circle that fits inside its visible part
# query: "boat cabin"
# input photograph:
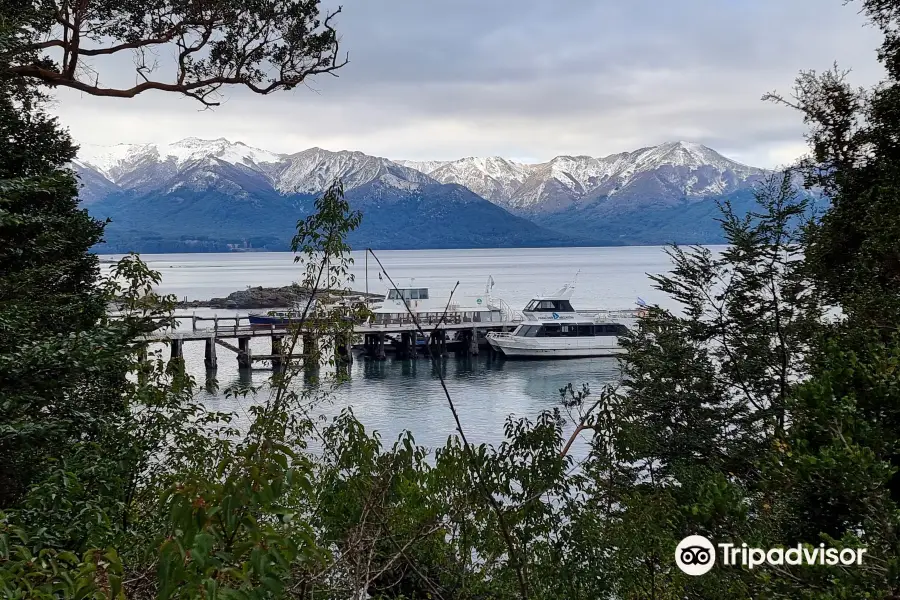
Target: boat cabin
(430, 310)
(549, 305)
(408, 294)
(571, 330)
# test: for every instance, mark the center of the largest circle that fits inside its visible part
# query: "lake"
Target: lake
(397, 395)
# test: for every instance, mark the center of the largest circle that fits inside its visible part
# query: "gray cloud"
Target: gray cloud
(528, 79)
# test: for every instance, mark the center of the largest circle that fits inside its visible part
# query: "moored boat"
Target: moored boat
(552, 328)
(401, 304)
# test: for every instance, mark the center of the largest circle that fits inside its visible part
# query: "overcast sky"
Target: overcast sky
(528, 80)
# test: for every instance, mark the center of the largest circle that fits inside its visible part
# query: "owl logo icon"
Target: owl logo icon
(695, 555)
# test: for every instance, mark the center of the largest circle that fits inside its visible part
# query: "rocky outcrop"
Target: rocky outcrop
(265, 297)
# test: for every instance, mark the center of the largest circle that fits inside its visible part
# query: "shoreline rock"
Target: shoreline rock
(263, 297)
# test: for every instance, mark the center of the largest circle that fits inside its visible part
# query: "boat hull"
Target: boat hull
(521, 347)
(265, 320)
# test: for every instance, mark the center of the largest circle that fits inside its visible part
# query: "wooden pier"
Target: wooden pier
(399, 336)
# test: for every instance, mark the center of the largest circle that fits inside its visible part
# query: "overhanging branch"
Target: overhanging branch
(273, 45)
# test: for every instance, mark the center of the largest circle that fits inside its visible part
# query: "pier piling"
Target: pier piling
(277, 352)
(379, 348)
(210, 359)
(176, 356)
(343, 348)
(244, 357)
(143, 366)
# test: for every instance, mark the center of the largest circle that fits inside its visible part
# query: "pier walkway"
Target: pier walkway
(398, 334)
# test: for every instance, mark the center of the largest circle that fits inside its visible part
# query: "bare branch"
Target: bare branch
(272, 45)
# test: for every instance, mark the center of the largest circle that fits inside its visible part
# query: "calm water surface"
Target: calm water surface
(395, 395)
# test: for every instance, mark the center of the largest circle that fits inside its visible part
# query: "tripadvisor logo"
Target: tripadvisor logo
(696, 555)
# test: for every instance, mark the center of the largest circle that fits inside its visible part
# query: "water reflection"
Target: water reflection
(394, 395)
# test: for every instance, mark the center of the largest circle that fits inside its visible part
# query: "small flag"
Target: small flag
(640, 302)
(491, 281)
(379, 277)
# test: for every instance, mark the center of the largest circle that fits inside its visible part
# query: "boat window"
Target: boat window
(531, 305)
(393, 295)
(569, 330)
(613, 329)
(585, 330)
(522, 330)
(551, 331)
(534, 331)
(564, 306)
(414, 294)
(423, 293)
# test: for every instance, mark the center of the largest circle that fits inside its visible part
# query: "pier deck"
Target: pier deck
(263, 331)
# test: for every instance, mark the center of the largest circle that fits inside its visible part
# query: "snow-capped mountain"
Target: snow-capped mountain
(651, 195)
(689, 170)
(315, 169)
(208, 195)
(494, 178)
(685, 169)
(115, 161)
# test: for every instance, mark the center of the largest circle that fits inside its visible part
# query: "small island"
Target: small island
(271, 297)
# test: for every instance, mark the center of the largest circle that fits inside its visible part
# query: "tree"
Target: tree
(48, 289)
(854, 250)
(264, 45)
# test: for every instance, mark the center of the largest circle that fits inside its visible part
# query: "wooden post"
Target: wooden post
(443, 342)
(379, 349)
(176, 357)
(244, 357)
(473, 342)
(342, 348)
(310, 345)
(210, 359)
(277, 352)
(348, 340)
(143, 365)
(405, 345)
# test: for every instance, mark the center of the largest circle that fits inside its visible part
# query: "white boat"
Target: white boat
(551, 328)
(429, 309)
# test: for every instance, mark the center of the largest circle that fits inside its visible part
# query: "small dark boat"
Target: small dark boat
(278, 318)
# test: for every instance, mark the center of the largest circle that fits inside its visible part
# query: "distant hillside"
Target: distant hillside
(209, 195)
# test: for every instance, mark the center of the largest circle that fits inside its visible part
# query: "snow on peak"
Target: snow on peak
(681, 154)
(111, 161)
(492, 177)
(106, 158)
(313, 170)
(191, 149)
(422, 166)
(689, 166)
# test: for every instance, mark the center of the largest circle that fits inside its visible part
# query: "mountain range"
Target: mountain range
(213, 195)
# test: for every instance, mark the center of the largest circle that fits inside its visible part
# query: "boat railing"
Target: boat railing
(626, 313)
(430, 320)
